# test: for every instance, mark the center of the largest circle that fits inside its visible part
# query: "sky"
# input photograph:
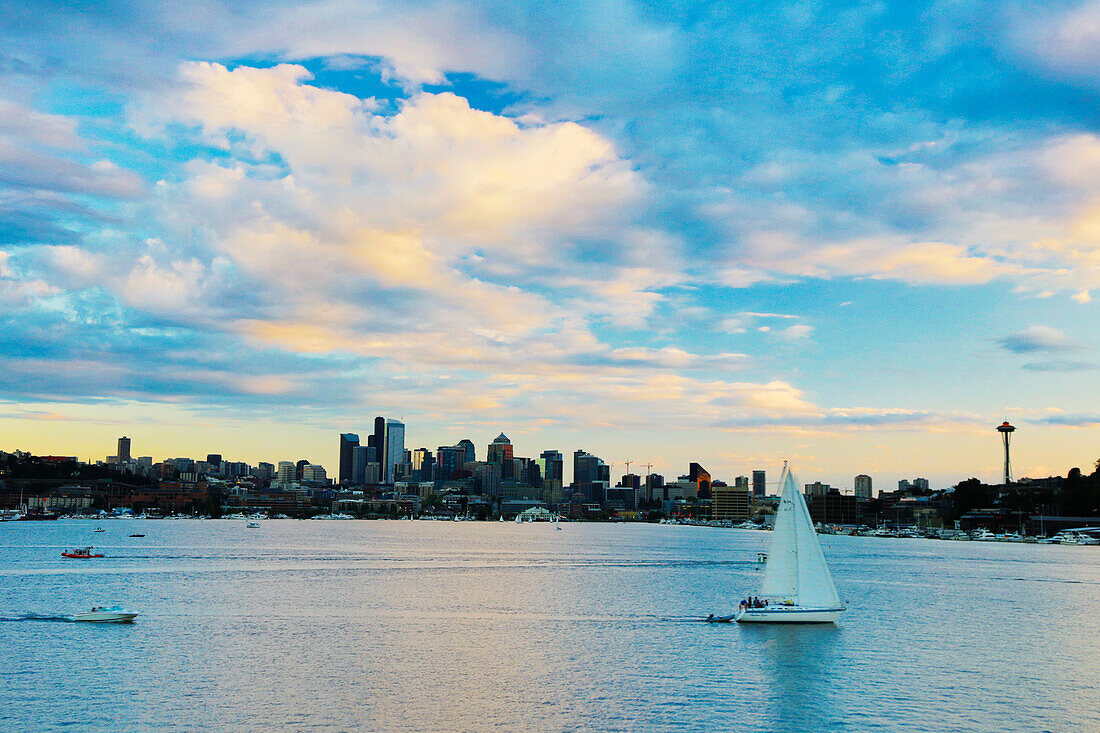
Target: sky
(853, 235)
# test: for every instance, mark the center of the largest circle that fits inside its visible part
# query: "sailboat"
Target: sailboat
(797, 586)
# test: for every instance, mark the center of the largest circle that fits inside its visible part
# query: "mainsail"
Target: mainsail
(796, 572)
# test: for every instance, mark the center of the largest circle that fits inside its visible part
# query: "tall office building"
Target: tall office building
(759, 485)
(123, 450)
(395, 447)
(470, 452)
(500, 453)
(288, 472)
(378, 442)
(551, 465)
(701, 478)
(361, 455)
(214, 459)
(418, 457)
(863, 486)
(741, 482)
(654, 488)
(591, 476)
(500, 450)
(348, 443)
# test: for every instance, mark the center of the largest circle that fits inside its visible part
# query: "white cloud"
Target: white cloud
(1038, 338)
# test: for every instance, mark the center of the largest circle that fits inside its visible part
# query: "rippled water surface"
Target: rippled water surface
(414, 626)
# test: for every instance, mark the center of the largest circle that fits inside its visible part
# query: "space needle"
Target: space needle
(1006, 431)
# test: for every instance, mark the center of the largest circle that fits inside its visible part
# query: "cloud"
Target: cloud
(1037, 339)
(800, 331)
(1073, 421)
(1061, 365)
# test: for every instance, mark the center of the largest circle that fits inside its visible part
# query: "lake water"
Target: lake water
(413, 626)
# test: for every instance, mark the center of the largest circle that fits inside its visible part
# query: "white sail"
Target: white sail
(796, 572)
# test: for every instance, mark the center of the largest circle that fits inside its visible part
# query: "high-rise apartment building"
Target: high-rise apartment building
(123, 450)
(395, 447)
(863, 486)
(759, 485)
(348, 443)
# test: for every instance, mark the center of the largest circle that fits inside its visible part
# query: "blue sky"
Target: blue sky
(853, 235)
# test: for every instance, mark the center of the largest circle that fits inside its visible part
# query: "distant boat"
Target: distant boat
(80, 553)
(101, 615)
(99, 529)
(797, 586)
(137, 535)
(253, 525)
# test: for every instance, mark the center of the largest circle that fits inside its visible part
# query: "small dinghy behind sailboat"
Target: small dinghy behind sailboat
(797, 586)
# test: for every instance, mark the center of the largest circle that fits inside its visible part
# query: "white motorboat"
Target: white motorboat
(797, 587)
(102, 615)
(983, 535)
(253, 525)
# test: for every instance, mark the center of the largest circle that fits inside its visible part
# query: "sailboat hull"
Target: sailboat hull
(788, 615)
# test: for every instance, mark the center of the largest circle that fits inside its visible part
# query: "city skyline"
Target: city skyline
(696, 233)
(617, 469)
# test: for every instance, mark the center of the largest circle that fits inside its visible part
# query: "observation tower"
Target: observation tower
(1006, 431)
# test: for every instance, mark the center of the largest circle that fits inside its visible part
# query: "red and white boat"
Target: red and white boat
(81, 553)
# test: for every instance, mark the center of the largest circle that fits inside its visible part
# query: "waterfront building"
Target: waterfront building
(730, 503)
(759, 484)
(832, 507)
(863, 486)
(348, 443)
(395, 447)
(123, 450)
